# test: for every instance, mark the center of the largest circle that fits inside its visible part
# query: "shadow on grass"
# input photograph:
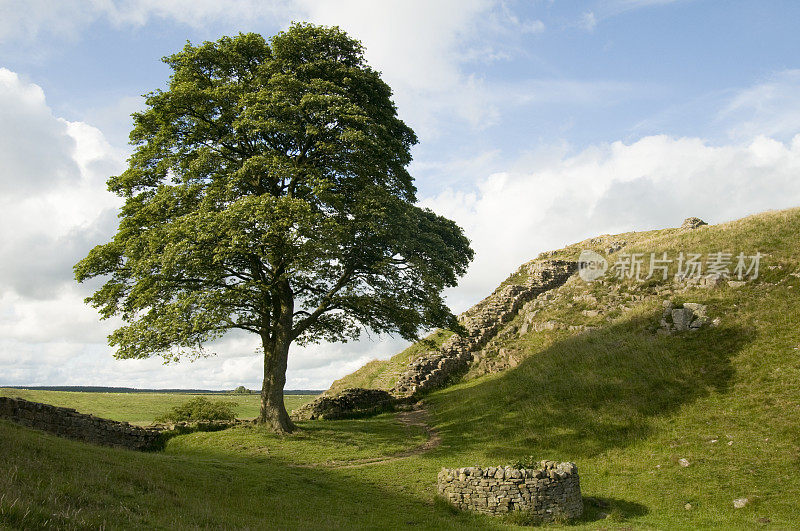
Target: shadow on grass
(314, 443)
(587, 393)
(50, 482)
(612, 509)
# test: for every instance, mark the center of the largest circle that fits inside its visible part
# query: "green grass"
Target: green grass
(142, 408)
(622, 402)
(47, 482)
(316, 443)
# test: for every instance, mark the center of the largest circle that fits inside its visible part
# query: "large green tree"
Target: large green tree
(268, 192)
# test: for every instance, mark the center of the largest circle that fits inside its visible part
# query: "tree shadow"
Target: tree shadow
(613, 509)
(587, 393)
(68, 484)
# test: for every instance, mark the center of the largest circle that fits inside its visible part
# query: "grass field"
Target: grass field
(623, 403)
(142, 408)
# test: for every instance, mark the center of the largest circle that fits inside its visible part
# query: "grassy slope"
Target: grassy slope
(621, 402)
(626, 404)
(141, 408)
(383, 374)
(51, 482)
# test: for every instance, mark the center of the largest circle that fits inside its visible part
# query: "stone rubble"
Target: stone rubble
(690, 316)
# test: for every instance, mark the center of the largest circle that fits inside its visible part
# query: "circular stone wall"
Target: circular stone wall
(552, 491)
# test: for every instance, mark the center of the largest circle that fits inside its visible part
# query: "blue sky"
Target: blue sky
(541, 123)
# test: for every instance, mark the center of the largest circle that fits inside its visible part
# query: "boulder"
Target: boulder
(690, 316)
(692, 223)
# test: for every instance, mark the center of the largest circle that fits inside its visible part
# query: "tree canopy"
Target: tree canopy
(268, 192)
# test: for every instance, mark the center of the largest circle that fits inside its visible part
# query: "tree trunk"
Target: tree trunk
(273, 409)
(276, 355)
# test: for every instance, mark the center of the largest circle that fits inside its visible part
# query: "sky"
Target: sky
(541, 123)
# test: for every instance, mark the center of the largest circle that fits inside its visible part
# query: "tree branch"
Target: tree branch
(324, 304)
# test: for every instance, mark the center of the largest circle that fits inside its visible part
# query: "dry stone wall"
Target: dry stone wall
(548, 493)
(435, 368)
(482, 322)
(69, 423)
(351, 402)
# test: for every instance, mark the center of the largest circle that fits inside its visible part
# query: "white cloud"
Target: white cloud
(27, 21)
(770, 108)
(588, 21)
(54, 205)
(654, 182)
(36, 151)
(420, 48)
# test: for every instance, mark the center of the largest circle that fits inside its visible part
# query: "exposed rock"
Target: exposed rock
(683, 462)
(483, 322)
(546, 325)
(352, 402)
(692, 223)
(697, 309)
(738, 503)
(615, 246)
(691, 316)
(707, 281)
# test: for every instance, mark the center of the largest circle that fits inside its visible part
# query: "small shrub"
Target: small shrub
(527, 462)
(198, 409)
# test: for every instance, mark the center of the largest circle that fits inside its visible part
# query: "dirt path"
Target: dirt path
(414, 417)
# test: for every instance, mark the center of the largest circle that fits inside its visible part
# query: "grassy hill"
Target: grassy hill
(630, 406)
(383, 374)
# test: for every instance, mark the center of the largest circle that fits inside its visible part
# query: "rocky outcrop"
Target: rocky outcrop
(353, 402)
(66, 422)
(482, 322)
(692, 223)
(547, 493)
(689, 316)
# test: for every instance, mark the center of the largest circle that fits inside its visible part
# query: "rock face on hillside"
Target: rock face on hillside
(482, 322)
(692, 223)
